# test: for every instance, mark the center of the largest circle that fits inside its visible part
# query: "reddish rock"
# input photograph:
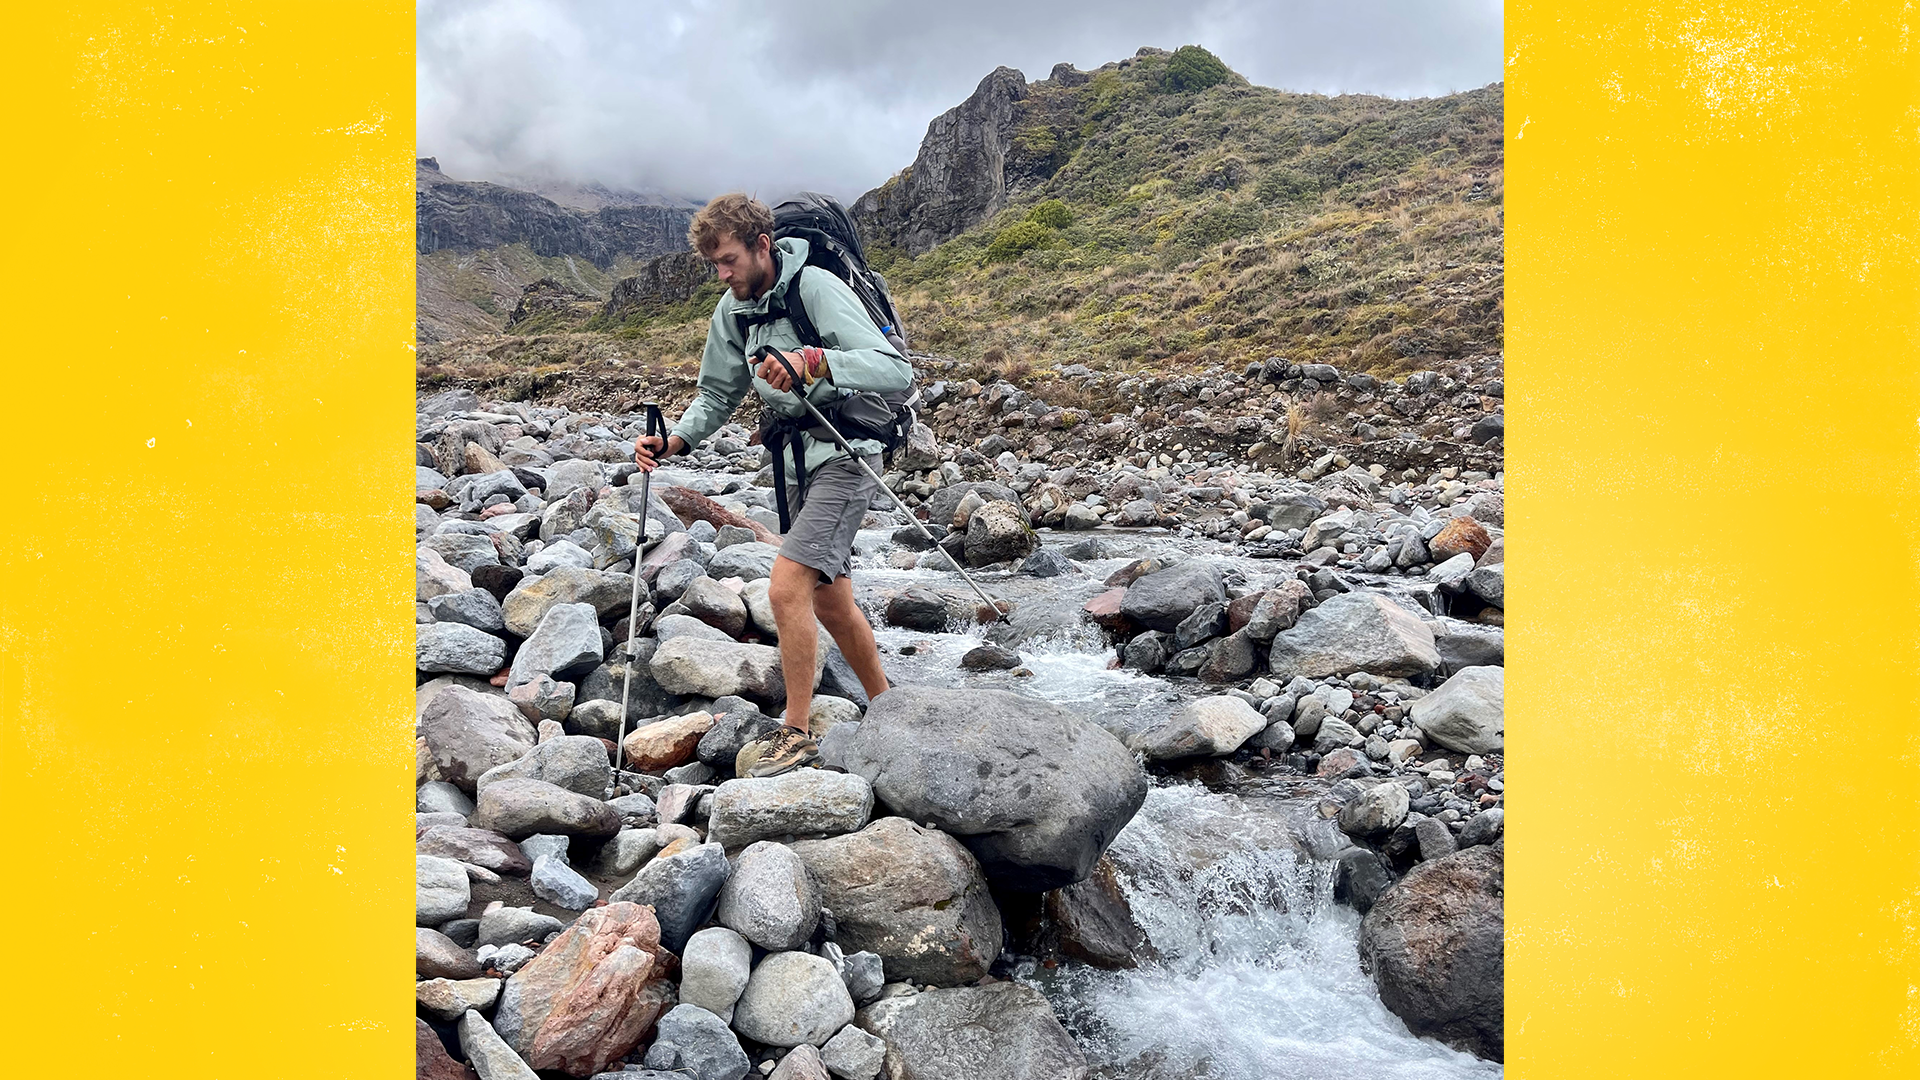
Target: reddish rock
(498, 510)
(430, 1057)
(604, 1016)
(1239, 611)
(691, 506)
(563, 1011)
(1461, 534)
(1132, 572)
(435, 499)
(667, 743)
(477, 846)
(1105, 610)
(671, 548)
(478, 459)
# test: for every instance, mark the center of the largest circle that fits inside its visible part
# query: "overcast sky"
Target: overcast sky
(696, 97)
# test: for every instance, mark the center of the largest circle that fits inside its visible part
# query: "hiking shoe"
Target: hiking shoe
(783, 751)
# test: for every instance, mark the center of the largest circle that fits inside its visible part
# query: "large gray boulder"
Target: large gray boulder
(1206, 727)
(997, 533)
(1468, 713)
(533, 597)
(455, 647)
(736, 722)
(566, 643)
(519, 808)
(434, 576)
(805, 802)
(694, 1043)
(489, 1054)
(577, 763)
(770, 899)
(714, 970)
(942, 504)
(1003, 1031)
(1435, 945)
(681, 888)
(713, 669)
(1355, 631)
(441, 890)
(469, 732)
(747, 562)
(913, 896)
(1035, 790)
(464, 550)
(716, 605)
(1163, 599)
(793, 998)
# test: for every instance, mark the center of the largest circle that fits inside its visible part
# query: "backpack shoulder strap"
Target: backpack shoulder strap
(797, 313)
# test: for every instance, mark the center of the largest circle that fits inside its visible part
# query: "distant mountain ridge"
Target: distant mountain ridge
(481, 244)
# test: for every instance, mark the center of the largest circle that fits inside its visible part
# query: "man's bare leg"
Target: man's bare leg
(790, 590)
(837, 611)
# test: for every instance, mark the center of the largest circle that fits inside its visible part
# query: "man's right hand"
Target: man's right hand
(647, 450)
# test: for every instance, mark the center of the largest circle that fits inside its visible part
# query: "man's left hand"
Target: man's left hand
(809, 362)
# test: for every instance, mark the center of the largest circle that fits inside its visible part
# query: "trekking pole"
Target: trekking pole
(840, 441)
(656, 425)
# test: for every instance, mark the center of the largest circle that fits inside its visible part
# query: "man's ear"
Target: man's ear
(763, 244)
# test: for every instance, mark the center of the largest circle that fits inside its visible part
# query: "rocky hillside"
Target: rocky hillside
(1144, 216)
(480, 245)
(1159, 217)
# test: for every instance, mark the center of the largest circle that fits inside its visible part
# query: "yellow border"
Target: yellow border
(1712, 289)
(204, 634)
(203, 639)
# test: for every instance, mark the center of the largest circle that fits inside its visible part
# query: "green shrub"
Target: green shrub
(1017, 239)
(1193, 68)
(1053, 214)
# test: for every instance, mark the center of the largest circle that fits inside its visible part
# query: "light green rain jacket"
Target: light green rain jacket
(858, 357)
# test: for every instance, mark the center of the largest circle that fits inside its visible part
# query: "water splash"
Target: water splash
(1257, 973)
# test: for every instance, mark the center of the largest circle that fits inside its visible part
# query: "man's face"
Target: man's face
(747, 270)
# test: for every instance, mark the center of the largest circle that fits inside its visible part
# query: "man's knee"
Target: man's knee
(790, 587)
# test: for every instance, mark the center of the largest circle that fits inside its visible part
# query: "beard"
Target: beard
(750, 287)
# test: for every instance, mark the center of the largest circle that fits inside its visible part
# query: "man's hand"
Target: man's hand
(811, 363)
(647, 450)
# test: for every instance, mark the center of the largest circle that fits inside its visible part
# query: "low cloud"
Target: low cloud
(695, 97)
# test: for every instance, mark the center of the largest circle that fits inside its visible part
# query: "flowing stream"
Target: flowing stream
(1256, 973)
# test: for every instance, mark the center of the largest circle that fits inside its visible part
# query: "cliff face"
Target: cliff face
(958, 179)
(481, 246)
(463, 216)
(661, 282)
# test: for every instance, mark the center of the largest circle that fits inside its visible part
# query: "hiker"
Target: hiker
(810, 579)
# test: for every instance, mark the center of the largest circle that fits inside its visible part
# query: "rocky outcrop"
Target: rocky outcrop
(660, 282)
(958, 178)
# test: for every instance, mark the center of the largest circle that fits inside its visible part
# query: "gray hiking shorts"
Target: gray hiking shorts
(836, 503)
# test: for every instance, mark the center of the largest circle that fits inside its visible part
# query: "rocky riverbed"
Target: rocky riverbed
(1221, 798)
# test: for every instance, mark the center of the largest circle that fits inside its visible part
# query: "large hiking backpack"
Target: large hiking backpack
(834, 245)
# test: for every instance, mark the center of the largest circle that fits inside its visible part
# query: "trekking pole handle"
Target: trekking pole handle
(799, 391)
(656, 423)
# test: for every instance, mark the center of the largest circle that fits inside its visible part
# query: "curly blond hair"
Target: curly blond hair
(742, 217)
